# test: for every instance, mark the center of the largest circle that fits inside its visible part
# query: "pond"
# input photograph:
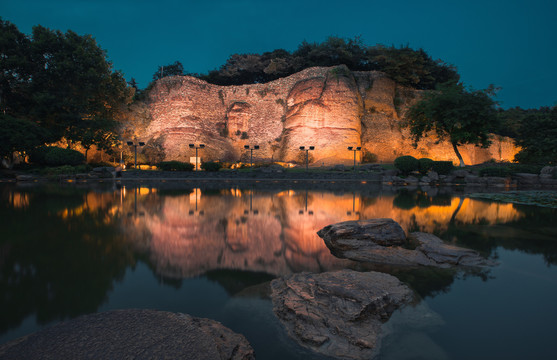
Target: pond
(68, 250)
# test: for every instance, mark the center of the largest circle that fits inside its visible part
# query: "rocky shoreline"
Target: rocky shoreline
(372, 173)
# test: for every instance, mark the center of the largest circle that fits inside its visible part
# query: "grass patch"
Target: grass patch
(532, 197)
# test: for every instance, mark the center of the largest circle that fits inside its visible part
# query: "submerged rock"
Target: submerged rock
(338, 313)
(380, 241)
(132, 334)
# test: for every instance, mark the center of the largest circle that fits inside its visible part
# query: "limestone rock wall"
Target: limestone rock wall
(329, 108)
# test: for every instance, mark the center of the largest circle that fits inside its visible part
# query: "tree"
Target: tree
(18, 136)
(175, 69)
(454, 114)
(72, 84)
(15, 68)
(537, 136)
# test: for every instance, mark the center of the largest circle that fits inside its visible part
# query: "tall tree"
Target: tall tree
(537, 136)
(454, 114)
(72, 83)
(15, 69)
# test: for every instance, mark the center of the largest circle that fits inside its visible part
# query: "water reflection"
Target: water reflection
(62, 249)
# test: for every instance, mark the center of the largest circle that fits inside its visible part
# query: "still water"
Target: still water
(211, 252)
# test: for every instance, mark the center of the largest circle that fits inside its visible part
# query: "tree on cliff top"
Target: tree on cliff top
(169, 70)
(454, 114)
(405, 65)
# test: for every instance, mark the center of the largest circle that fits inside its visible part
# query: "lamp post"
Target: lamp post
(131, 143)
(193, 146)
(254, 147)
(303, 148)
(354, 149)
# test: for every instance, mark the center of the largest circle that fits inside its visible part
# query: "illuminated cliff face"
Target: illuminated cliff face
(329, 108)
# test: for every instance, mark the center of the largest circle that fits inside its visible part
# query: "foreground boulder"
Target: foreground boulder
(132, 334)
(382, 241)
(338, 313)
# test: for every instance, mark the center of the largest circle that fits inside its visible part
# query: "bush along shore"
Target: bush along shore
(474, 176)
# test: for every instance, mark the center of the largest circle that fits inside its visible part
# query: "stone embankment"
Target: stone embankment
(368, 173)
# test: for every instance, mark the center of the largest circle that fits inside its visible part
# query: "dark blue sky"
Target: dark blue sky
(509, 43)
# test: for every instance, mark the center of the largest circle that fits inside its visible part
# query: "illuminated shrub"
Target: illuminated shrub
(56, 156)
(368, 157)
(175, 166)
(425, 165)
(442, 167)
(211, 166)
(407, 164)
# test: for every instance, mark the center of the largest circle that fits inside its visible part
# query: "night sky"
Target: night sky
(509, 43)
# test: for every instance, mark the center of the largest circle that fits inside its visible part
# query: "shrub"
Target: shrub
(38, 155)
(498, 171)
(175, 166)
(368, 157)
(66, 170)
(526, 168)
(442, 167)
(425, 165)
(407, 164)
(56, 156)
(211, 166)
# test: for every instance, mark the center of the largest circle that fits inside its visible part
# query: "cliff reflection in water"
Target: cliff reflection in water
(189, 234)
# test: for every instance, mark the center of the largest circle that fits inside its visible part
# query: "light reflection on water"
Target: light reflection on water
(70, 251)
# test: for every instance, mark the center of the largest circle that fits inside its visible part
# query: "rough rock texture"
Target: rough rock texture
(329, 108)
(338, 313)
(132, 334)
(366, 234)
(363, 241)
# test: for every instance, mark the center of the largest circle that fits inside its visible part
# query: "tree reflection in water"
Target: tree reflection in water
(62, 248)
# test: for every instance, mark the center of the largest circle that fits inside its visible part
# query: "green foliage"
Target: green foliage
(497, 171)
(18, 135)
(407, 66)
(425, 165)
(38, 155)
(175, 166)
(407, 164)
(525, 168)
(56, 156)
(211, 166)
(174, 69)
(442, 167)
(66, 170)
(368, 157)
(454, 114)
(537, 136)
(62, 82)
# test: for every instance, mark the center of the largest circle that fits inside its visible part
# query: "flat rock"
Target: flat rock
(444, 255)
(363, 235)
(131, 334)
(340, 313)
(379, 241)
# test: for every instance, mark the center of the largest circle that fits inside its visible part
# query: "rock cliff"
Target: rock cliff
(329, 108)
